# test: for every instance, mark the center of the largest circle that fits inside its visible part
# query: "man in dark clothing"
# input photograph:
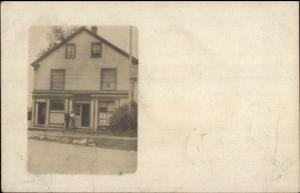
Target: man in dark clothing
(67, 120)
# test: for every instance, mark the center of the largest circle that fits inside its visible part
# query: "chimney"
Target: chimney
(94, 29)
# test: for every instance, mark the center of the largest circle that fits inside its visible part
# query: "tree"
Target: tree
(123, 121)
(56, 36)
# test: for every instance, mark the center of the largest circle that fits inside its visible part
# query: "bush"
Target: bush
(124, 121)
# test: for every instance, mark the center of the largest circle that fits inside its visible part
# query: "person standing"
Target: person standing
(72, 119)
(67, 120)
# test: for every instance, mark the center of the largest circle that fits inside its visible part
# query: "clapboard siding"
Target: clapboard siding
(83, 72)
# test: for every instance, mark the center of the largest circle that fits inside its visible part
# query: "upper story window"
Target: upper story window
(70, 51)
(57, 81)
(96, 50)
(108, 78)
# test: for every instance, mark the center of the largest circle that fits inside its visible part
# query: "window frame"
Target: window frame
(107, 106)
(115, 80)
(93, 55)
(66, 50)
(29, 115)
(56, 110)
(51, 81)
(76, 108)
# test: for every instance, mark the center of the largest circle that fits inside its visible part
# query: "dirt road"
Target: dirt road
(50, 157)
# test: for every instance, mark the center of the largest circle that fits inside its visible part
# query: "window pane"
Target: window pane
(107, 106)
(111, 106)
(96, 50)
(103, 106)
(70, 51)
(108, 79)
(103, 109)
(29, 115)
(57, 105)
(77, 109)
(57, 79)
(109, 75)
(108, 85)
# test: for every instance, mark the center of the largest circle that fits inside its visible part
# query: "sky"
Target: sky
(117, 35)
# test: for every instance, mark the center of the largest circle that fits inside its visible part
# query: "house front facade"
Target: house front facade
(85, 74)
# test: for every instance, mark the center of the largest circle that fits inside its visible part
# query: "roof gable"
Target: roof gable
(82, 29)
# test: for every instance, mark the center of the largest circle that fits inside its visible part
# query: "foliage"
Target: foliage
(56, 36)
(124, 121)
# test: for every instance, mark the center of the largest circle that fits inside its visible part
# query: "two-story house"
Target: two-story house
(86, 74)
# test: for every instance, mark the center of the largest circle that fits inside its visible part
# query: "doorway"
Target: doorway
(85, 115)
(41, 118)
(82, 115)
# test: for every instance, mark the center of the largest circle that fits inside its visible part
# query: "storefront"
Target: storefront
(92, 110)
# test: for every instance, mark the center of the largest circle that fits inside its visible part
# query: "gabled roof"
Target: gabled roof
(36, 62)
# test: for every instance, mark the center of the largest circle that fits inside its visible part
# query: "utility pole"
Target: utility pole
(129, 68)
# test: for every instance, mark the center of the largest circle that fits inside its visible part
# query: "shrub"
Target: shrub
(122, 120)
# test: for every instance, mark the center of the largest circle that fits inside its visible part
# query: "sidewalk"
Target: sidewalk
(102, 139)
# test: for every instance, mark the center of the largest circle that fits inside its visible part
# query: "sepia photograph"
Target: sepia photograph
(82, 99)
(150, 96)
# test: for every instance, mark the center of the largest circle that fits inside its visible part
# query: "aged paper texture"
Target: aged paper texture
(218, 95)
